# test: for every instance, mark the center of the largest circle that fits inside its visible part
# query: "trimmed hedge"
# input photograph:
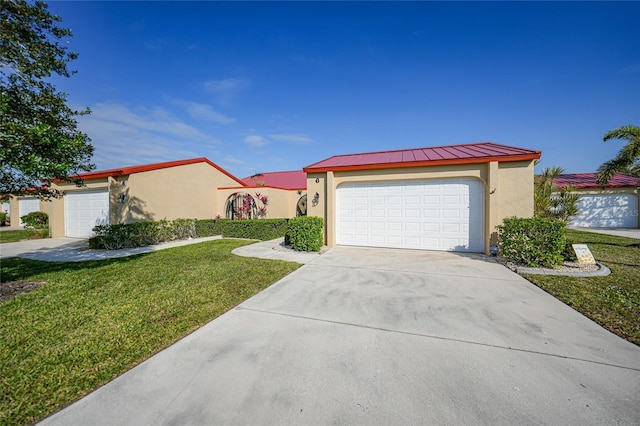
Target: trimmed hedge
(304, 233)
(257, 229)
(533, 241)
(140, 234)
(3, 218)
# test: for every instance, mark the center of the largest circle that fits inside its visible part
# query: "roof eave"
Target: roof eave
(126, 171)
(428, 163)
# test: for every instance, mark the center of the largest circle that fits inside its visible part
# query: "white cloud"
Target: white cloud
(203, 112)
(293, 138)
(633, 68)
(155, 119)
(124, 136)
(157, 44)
(233, 160)
(255, 141)
(226, 89)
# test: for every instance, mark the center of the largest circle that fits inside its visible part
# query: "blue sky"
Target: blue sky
(266, 86)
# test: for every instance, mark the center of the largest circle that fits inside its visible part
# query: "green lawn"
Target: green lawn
(92, 321)
(612, 301)
(22, 234)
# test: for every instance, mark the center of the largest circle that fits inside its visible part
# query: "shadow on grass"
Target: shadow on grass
(15, 268)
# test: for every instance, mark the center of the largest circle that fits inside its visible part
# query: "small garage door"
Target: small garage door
(84, 210)
(28, 205)
(426, 214)
(607, 211)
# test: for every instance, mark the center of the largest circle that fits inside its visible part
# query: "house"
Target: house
(20, 206)
(436, 198)
(193, 188)
(169, 190)
(614, 206)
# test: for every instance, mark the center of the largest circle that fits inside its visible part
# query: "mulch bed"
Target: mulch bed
(16, 288)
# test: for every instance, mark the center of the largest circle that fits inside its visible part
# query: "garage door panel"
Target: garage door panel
(84, 210)
(607, 211)
(433, 214)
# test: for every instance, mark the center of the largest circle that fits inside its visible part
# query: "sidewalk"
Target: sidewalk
(77, 250)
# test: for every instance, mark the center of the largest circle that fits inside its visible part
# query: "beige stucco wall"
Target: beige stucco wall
(508, 189)
(281, 203)
(187, 191)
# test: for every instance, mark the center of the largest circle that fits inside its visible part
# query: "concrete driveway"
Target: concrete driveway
(376, 336)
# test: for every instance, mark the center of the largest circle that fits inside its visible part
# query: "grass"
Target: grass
(612, 301)
(92, 321)
(23, 234)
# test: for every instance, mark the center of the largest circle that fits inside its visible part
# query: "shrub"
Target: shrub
(35, 220)
(257, 229)
(140, 234)
(184, 229)
(3, 218)
(533, 241)
(205, 227)
(304, 233)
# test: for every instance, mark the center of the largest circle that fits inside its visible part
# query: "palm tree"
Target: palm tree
(628, 158)
(553, 202)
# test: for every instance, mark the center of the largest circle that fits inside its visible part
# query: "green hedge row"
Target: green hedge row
(257, 229)
(140, 234)
(305, 233)
(533, 241)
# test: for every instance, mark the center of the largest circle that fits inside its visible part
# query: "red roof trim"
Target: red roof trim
(428, 163)
(293, 179)
(589, 181)
(482, 152)
(125, 171)
(262, 186)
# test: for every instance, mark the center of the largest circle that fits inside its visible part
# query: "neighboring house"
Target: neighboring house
(170, 190)
(614, 206)
(436, 198)
(286, 194)
(20, 206)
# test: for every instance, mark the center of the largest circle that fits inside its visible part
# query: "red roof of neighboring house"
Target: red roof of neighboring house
(123, 171)
(432, 156)
(589, 180)
(286, 180)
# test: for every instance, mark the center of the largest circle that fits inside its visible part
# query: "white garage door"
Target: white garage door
(430, 214)
(28, 205)
(84, 210)
(607, 211)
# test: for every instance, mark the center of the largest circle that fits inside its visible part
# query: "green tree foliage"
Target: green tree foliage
(551, 201)
(628, 158)
(38, 131)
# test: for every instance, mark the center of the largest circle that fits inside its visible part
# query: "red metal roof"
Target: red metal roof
(589, 181)
(286, 180)
(431, 156)
(124, 171)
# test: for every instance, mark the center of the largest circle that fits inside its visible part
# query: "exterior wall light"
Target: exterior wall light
(316, 199)
(120, 198)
